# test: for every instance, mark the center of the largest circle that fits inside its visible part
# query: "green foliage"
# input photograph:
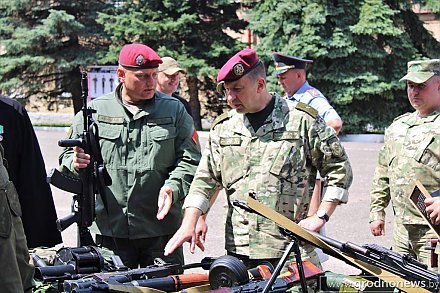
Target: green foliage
(360, 50)
(433, 5)
(44, 45)
(193, 32)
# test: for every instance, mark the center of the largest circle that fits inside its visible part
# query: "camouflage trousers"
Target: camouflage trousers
(414, 240)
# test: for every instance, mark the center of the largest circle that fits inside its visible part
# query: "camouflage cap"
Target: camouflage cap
(170, 66)
(422, 70)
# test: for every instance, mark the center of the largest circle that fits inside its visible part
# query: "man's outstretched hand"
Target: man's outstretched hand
(186, 233)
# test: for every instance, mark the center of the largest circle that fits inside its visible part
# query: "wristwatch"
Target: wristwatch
(322, 214)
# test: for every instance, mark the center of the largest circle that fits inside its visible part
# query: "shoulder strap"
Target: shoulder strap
(219, 119)
(401, 116)
(306, 108)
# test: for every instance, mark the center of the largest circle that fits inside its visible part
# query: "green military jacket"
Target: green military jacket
(411, 151)
(279, 163)
(9, 202)
(155, 147)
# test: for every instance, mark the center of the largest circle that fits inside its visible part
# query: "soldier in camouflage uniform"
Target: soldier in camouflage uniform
(268, 145)
(411, 152)
(151, 151)
(16, 274)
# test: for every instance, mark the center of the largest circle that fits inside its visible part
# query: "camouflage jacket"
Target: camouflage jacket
(411, 151)
(279, 162)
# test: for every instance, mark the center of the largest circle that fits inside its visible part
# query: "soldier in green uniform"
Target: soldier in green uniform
(411, 152)
(151, 151)
(16, 274)
(272, 147)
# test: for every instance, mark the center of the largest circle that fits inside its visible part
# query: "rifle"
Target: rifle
(226, 270)
(93, 179)
(162, 276)
(170, 283)
(404, 266)
(401, 271)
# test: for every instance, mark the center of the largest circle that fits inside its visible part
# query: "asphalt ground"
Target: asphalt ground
(349, 223)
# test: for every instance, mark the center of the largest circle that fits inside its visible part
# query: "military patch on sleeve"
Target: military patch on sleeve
(195, 136)
(337, 149)
(306, 108)
(219, 119)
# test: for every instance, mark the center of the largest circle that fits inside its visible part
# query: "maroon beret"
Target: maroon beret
(138, 56)
(240, 64)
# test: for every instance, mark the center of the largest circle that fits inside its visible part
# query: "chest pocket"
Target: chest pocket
(112, 145)
(234, 159)
(429, 154)
(9, 206)
(5, 216)
(162, 147)
(289, 157)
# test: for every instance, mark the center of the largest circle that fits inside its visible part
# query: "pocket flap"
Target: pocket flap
(110, 132)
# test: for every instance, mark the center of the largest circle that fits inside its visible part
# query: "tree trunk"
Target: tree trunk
(193, 89)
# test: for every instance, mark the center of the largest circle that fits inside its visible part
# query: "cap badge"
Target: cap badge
(140, 60)
(238, 69)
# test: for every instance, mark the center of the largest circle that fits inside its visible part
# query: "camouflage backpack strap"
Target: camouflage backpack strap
(219, 119)
(308, 109)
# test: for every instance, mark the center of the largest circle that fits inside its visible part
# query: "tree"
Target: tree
(45, 43)
(360, 50)
(433, 5)
(193, 32)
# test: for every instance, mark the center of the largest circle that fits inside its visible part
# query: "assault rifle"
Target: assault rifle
(223, 271)
(85, 267)
(93, 179)
(402, 271)
(162, 276)
(402, 265)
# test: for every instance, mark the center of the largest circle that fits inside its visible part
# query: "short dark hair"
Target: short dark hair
(258, 71)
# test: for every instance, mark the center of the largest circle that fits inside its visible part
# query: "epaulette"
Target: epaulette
(313, 92)
(401, 116)
(219, 119)
(308, 109)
